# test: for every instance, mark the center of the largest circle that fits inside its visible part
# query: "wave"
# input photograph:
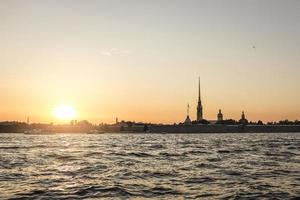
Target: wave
(102, 192)
(197, 180)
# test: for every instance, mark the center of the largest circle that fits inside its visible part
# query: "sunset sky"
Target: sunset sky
(140, 60)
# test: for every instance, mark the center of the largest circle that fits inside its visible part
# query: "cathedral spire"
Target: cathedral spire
(199, 97)
(199, 107)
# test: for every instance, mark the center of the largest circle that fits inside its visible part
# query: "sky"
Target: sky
(140, 60)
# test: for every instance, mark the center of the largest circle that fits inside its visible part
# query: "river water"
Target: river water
(150, 166)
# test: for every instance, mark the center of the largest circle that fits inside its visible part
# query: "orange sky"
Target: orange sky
(140, 60)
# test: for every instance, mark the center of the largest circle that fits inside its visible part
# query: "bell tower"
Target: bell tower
(188, 121)
(220, 115)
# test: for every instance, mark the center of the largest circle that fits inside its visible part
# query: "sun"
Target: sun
(64, 112)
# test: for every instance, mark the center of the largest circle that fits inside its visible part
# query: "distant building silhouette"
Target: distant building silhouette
(199, 107)
(220, 116)
(83, 123)
(243, 119)
(188, 121)
(73, 122)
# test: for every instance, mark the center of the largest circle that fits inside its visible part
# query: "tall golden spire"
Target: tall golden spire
(199, 107)
(199, 94)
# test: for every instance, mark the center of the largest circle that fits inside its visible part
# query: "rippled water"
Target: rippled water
(139, 166)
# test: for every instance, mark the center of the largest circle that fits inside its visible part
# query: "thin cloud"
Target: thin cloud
(115, 51)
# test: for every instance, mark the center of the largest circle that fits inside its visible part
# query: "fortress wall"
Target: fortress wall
(272, 128)
(194, 129)
(223, 128)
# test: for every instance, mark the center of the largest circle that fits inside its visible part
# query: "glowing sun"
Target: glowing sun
(64, 112)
